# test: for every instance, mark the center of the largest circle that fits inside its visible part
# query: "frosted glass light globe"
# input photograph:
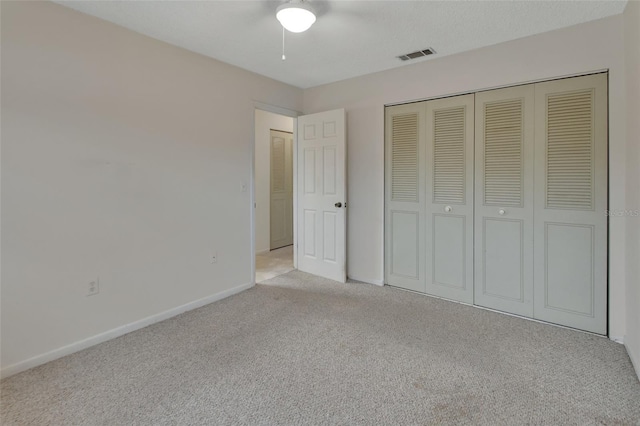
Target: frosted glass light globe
(295, 17)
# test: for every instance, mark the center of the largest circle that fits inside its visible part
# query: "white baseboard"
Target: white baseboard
(366, 280)
(635, 360)
(617, 339)
(117, 332)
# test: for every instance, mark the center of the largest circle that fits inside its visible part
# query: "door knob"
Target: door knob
(448, 209)
(338, 205)
(501, 212)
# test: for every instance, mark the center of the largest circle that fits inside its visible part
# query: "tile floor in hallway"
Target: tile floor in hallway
(274, 263)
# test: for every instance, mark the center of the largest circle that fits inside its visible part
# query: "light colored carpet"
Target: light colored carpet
(304, 350)
(274, 263)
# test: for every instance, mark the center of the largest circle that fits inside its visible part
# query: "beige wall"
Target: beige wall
(632, 62)
(265, 121)
(587, 47)
(123, 158)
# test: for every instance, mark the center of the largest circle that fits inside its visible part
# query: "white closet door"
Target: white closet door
(504, 200)
(571, 199)
(404, 196)
(281, 202)
(449, 198)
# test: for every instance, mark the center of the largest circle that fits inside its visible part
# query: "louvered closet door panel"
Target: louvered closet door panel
(504, 200)
(571, 199)
(404, 196)
(449, 198)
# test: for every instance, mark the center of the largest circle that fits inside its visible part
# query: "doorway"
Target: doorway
(319, 190)
(273, 194)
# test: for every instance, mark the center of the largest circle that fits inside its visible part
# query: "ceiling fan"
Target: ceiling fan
(295, 16)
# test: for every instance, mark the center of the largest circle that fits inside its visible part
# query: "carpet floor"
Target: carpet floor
(299, 349)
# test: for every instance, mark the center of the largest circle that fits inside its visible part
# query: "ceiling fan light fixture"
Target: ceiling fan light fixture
(296, 16)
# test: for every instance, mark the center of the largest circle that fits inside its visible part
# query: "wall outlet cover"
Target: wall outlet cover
(93, 287)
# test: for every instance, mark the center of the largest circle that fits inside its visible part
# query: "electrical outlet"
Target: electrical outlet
(214, 258)
(93, 287)
(243, 186)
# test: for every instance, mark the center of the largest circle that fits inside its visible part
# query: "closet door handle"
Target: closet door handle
(502, 212)
(448, 209)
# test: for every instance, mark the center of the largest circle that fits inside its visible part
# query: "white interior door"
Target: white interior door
(449, 197)
(322, 190)
(281, 188)
(504, 200)
(571, 199)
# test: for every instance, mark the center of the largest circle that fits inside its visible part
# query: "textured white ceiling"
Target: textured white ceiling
(350, 38)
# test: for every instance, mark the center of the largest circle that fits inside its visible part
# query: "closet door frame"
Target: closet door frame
(605, 311)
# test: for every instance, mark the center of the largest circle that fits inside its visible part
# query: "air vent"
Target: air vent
(418, 54)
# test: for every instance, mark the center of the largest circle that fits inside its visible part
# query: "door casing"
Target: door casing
(252, 186)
